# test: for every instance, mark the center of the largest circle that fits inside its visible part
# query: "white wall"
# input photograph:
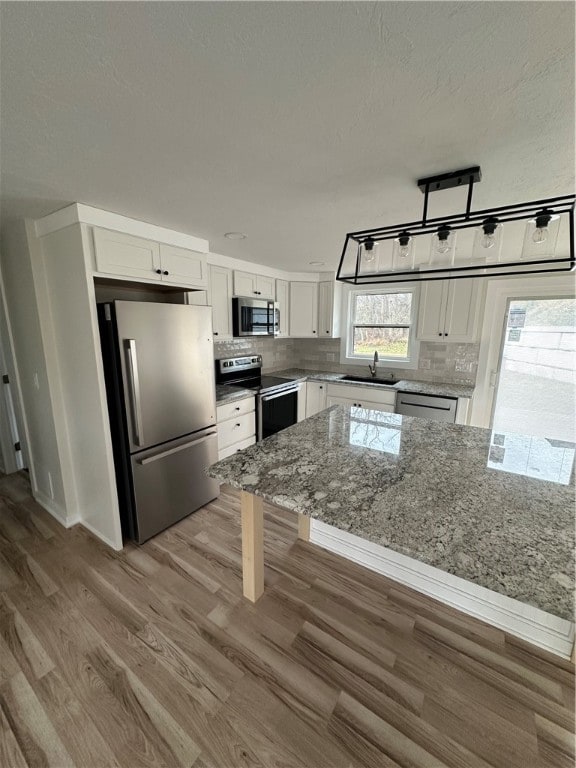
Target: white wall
(39, 423)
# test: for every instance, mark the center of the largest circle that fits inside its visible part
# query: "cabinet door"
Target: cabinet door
(432, 310)
(335, 400)
(221, 301)
(282, 298)
(325, 309)
(245, 284)
(266, 287)
(120, 254)
(183, 267)
(304, 310)
(461, 310)
(315, 398)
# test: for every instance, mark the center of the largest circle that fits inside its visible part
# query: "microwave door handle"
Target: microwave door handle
(134, 384)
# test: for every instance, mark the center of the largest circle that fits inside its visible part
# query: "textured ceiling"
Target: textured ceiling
(291, 122)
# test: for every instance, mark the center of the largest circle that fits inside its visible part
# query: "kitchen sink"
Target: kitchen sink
(370, 380)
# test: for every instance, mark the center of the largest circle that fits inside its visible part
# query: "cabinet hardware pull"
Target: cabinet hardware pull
(313, 331)
(215, 333)
(445, 334)
(440, 333)
(237, 425)
(158, 271)
(166, 272)
(237, 407)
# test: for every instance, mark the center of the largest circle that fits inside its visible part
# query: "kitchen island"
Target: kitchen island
(432, 491)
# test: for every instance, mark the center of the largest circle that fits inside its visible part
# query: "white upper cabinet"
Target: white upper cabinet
(183, 267)
(117, 253)
(461, 322)
(282, 299)
(220, 297)
(256, 286)
(328, 309)
(304, 310)
(448, 310)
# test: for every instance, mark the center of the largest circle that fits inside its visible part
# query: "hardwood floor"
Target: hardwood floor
(151, 657)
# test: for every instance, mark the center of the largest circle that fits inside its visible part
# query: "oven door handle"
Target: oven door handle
(291, 391)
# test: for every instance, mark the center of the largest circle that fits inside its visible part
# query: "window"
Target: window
(382, 321)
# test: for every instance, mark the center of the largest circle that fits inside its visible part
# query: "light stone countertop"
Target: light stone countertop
(440, 493)
(404, 385)
(227, 393)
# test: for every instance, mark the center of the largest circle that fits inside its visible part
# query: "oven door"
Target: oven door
(253, 317)
(277, 411)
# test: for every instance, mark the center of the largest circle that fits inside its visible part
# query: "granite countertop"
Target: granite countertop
(404, 385)
(441, 493)
(226, 393)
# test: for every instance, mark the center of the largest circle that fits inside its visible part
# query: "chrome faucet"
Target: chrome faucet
(373, 367)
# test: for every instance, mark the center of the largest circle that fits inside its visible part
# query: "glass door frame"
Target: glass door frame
(497, 297)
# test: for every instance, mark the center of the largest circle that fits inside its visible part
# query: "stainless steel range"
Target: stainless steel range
(276, 398)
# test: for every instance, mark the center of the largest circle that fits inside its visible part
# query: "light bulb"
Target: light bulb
(404, 251)
(540, 234)
(488, 241)
(442, 246)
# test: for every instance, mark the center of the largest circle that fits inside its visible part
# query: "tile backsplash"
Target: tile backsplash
(438, 361)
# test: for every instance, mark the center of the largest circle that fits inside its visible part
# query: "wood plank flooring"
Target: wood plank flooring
(151, 657)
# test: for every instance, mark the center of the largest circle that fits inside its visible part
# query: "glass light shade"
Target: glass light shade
(404, 255)
(540, 242)
(487, 247)
(442, 252)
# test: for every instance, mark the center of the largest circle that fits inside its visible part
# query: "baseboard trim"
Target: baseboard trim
(531, 624)
(52, 508)
(98, 535)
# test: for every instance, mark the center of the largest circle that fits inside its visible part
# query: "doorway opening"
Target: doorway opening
(534, 414)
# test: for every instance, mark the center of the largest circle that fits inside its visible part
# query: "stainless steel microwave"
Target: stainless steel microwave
(255, 317)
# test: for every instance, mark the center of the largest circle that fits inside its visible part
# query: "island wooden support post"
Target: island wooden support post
(252, 546)
(304, 527)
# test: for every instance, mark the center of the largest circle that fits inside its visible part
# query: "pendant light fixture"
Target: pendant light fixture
(513, 239)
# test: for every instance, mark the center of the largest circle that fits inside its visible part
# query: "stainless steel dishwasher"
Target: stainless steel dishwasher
(432, 407)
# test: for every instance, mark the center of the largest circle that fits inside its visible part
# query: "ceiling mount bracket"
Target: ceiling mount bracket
(451, 179)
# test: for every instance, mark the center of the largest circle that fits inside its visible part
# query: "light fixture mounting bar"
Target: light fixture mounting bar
(450, 180)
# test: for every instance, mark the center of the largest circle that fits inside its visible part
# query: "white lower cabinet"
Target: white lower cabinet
(236, 426)
(315, 397)
(361, 397)
(301, 407)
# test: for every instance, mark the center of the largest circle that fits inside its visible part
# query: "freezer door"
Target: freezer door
(170, 481)
(167, 361)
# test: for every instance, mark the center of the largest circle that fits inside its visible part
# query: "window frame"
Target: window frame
(347, 355)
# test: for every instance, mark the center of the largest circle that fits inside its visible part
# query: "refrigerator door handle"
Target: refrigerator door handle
(170, 451)
(134, 380)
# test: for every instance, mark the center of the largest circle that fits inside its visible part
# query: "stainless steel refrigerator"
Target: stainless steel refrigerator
(159, 369)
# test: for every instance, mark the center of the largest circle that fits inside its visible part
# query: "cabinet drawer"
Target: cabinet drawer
(370, 394)
(234, 409)
(235, 447)
(236, 430)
